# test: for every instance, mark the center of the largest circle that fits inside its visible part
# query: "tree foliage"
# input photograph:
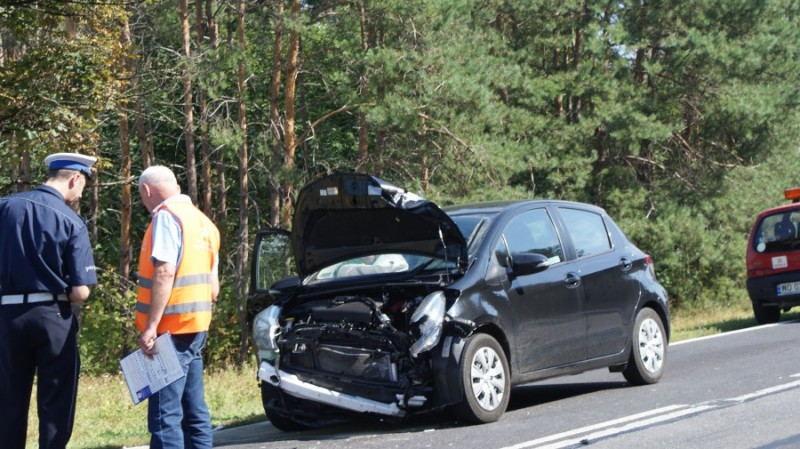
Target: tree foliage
(57, 75)
(679, 118)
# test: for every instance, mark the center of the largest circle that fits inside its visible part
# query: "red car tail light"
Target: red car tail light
(649, 262)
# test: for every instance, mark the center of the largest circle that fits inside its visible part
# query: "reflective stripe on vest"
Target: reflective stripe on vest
(177, 309)
(188, 309)
(183, 281)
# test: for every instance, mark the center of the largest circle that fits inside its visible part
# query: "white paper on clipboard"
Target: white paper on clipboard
(145, 376)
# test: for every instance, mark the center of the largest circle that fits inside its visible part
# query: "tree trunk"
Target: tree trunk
(142, 135)
(363, 88)
(577, 56)
(289, 138)
(205, 143)
(188, 106)
(380, 134)
(275, 118)
(125, 163)
(219, 160)
(211, 25)
(363, 142)
(22, 173)
(138, 123)
(241, 265)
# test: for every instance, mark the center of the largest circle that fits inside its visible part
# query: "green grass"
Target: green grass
(696, 323)
(107, 418)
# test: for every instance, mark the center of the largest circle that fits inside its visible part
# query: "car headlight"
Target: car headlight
(428, 318)
(266, 329)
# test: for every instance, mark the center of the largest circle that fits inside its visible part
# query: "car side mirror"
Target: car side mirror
(528, 263)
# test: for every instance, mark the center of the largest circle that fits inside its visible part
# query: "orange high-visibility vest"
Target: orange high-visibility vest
(189, 307)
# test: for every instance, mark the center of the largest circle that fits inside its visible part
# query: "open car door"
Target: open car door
(272, 269)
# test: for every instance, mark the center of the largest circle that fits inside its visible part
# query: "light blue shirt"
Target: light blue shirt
(168, 237)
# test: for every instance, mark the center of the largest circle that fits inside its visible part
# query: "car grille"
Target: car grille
(372, 365)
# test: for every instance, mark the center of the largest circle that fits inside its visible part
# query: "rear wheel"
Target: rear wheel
(766, 314)
(485, 380)
(649, 349)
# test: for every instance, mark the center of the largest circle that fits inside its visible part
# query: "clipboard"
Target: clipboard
(146, 376)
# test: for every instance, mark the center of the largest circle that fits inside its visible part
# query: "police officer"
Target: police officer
(46, 266)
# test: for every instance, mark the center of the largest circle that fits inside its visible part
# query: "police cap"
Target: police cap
(71, 161)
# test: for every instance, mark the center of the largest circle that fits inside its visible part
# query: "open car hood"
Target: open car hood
(348, 215)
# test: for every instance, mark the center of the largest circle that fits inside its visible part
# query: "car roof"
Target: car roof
(778, 209)
(495, 207)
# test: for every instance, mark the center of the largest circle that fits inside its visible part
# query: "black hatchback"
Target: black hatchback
(380, 303)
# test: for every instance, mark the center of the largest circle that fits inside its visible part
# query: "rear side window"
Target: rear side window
(588, 231)
(777, 231)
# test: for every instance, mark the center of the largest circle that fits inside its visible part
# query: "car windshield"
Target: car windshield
(377, 264)
(778, 232)
(473, 228)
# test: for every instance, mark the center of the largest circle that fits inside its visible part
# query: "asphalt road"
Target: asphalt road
(733, 390)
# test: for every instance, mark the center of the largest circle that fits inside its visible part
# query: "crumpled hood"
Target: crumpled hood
(347, 215)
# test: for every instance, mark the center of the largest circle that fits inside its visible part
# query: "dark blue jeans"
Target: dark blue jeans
(177, 416)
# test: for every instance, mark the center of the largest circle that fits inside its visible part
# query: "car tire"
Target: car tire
(648, 349)
(766, 314)
(279, 420)
(485, 380)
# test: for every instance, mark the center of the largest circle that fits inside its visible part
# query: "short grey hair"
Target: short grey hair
(157, 174)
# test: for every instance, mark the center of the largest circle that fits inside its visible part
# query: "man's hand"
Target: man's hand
(147, 341)
(78, 294)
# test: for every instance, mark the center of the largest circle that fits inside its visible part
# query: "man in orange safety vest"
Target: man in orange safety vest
(178, 284)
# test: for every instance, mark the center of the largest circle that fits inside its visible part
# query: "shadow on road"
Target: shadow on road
(263, 432)
(537, 394)
(521, 397)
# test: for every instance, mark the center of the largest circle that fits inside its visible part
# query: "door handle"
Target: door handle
(572, 280)
(625, 264)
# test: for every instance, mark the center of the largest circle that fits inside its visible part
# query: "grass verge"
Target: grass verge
(106, 417)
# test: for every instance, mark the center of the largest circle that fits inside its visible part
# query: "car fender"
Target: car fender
(445, 361)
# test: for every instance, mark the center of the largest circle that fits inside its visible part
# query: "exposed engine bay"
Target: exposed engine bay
(356, 343)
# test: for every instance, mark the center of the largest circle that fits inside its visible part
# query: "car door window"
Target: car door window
(533, 232)
(588, 231)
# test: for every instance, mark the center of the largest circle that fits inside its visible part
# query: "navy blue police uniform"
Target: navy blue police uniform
(44, 250)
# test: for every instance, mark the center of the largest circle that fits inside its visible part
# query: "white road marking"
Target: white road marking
(767, 391)
(628, 423)
(613, 422)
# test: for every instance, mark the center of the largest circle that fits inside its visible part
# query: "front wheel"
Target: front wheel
(649, 349)
(485, 380)
(765, 314)
(279, 420)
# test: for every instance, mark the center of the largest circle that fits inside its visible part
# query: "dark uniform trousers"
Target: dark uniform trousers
(40, 338)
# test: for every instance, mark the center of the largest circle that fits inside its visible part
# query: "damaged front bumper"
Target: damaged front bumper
(292, 385)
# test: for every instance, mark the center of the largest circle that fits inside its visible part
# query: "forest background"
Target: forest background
(680, 118)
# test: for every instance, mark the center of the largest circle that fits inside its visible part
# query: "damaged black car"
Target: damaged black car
(381, 303)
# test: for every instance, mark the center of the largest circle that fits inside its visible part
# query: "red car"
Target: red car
(773, 260)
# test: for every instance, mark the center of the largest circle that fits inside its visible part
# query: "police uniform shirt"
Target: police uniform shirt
(44, 244)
